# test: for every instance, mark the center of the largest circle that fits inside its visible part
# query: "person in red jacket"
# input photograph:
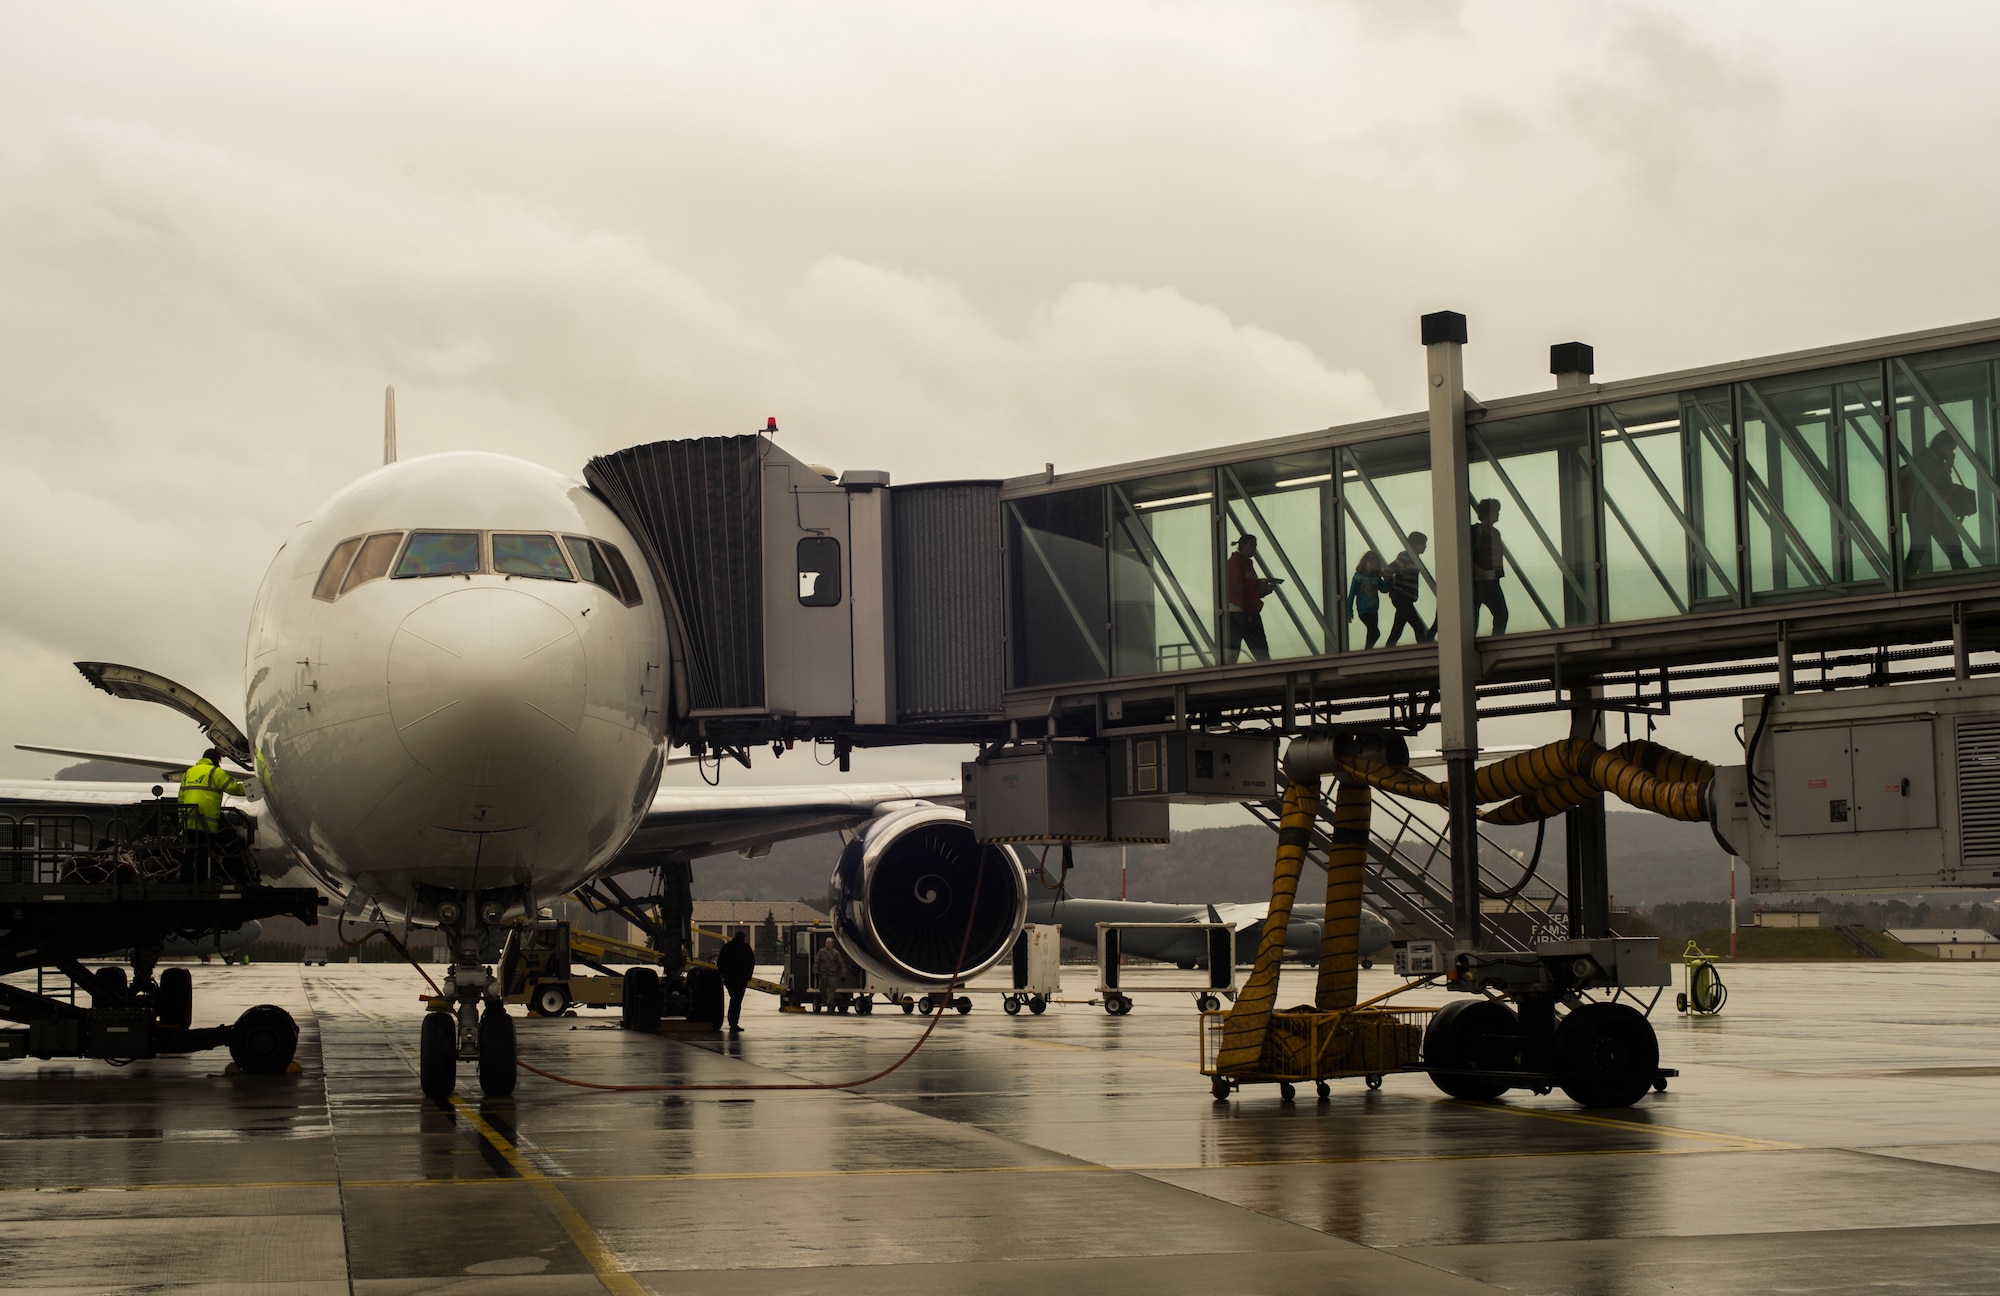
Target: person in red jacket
(1245, 613)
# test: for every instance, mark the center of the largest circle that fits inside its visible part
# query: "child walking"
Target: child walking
(1364, 594)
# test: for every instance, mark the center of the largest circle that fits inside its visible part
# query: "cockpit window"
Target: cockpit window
(440, 553)
(628, 587)
(373, 561)
(590, 564)
(328, 584)
(529, 555)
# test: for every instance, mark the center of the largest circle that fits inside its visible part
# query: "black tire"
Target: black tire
(1323, 1089)
(497, 1070)
(926, 1005)
(908, 1007)
(1010, 1005)
(1606, 1055)
(1681, 1002)
(706, 1000)
(550, 999)
(1219, 1086)
(865, 1005)
(641, 1001)
(1471, 1034)
(263, 1040)
(1286, 1091)
(111, 984)
(1367, 965)
(174, 1005)
(1038, 1005)
(1124, 1006)
(963, 1004)
(1208, 1003)
(437, 1056)
(1374, 1081)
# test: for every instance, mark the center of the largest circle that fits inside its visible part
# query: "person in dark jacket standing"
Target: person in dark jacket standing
(736, 962)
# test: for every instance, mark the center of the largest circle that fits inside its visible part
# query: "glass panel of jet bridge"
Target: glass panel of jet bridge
(1947, 462)
(1287, 504)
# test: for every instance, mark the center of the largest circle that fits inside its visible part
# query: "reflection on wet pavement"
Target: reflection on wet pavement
(1830, 1129)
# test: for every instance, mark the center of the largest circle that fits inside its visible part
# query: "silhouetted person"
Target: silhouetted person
(1489, 564)
(736, 963)
(1405, 583)
(1933, 500)
(828, 968)
(1245, 614)
(1364, 595)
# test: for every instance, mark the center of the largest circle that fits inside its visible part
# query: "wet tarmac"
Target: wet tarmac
(1832, 1131)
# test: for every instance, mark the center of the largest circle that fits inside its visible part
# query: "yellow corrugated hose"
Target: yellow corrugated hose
(1346, 862)
(1244, 1030)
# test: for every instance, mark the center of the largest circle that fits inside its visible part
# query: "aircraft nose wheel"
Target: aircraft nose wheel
(437, 1056)
(497, 1071)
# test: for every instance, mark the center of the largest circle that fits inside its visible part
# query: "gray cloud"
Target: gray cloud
(943, 240)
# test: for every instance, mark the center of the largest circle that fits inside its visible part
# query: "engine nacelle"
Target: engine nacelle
(903, 895)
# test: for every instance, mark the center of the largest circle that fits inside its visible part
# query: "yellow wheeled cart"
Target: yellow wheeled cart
(1705, 994)
(1366, 1041)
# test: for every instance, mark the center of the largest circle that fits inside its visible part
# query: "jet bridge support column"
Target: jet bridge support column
(1444, 338)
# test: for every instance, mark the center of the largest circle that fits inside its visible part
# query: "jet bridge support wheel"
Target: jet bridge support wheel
(437, 1056)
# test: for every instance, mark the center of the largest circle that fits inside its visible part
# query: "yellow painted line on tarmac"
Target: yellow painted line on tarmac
(595, 1253)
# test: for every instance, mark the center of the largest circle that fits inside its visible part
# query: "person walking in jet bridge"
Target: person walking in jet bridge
(1364, 595)
(1489, 564)
(829, 966)
(202, 789)
(1245, 620)
(1405, 583)
(735, 962)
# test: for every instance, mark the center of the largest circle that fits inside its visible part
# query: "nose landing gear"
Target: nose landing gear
(468, 1022)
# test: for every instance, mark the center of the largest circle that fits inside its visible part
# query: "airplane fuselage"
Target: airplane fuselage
(456, 681)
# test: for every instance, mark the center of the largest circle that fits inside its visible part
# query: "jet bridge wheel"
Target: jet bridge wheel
(1606, 1054)
(1457, 1040)
(437, 1056)
(174, 1004)
(497, 1071)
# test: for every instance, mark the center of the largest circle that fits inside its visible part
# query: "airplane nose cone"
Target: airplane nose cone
(486, 685)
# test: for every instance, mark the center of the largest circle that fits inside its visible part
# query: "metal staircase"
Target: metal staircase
(1409, 878)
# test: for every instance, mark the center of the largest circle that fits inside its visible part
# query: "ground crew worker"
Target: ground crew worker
(828, 969)
(735, 962)
(202, 788)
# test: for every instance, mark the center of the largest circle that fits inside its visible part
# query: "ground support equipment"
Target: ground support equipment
(1221, 983)
(1364, 1042)
(1705, 994)
(72, 889)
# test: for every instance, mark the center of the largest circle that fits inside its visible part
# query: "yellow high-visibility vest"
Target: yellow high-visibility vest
(202, 788)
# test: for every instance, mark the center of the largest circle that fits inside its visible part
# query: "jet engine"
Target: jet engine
(904, 895)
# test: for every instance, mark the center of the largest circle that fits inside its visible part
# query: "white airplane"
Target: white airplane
(455, 684)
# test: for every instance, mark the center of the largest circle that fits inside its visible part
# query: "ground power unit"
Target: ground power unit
(1877, 789)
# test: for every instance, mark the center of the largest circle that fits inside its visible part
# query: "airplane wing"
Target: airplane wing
(166, 767)
(690, 823)
(64, 792)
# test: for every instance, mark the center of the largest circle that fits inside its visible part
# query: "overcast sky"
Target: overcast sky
(935, 238)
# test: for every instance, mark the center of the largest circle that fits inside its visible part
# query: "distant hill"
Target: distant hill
(1653, 861)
